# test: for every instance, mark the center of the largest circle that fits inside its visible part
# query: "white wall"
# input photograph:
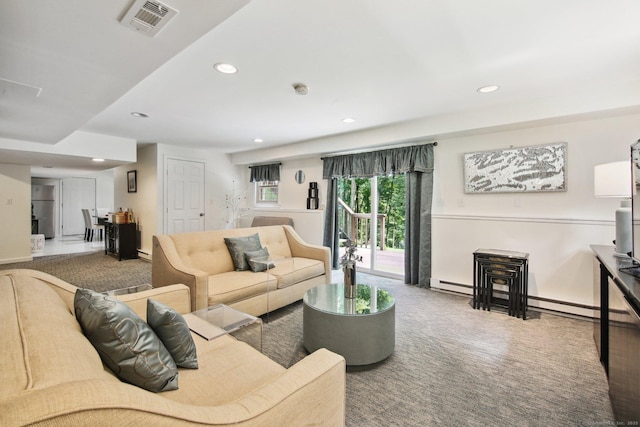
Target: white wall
(144, 202)
(105, 190)
(15, 213)
(556, 229)
(147, 203)
(292, 199)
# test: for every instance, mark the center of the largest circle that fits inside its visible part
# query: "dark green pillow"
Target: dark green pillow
(125, 342)
(256, 260)
(174, 333)
(238, 246)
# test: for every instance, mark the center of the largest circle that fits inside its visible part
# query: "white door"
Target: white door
(185, 196)
(77, 194)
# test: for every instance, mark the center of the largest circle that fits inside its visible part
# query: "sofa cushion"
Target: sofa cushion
(233, 370)
(125, 342)
(257, 260)
(227, 288)
(290, 271)
(174, 333)
(238, 246)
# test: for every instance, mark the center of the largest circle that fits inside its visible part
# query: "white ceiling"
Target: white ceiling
(380, 62)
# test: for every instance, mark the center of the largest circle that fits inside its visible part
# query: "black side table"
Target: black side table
(497, 267)
(120, 240)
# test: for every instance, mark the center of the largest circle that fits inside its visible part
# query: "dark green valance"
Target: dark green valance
(416, 158)
(261, 173)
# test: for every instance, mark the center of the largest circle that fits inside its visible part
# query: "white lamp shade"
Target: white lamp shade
(612, 179)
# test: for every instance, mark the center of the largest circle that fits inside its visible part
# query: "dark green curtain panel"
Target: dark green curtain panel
(417, 251)
(331, 231)
(417, 162)
(260, 173)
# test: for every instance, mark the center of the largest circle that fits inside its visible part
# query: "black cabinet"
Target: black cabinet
(619, 331)
(602, 277)
(624, 359)
(120, 240)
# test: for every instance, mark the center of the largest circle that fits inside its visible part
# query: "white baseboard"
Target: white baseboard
(12, 260)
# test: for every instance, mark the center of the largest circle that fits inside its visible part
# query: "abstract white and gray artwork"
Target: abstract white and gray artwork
(535, 168)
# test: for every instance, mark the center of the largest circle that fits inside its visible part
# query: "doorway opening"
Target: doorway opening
(371, 212)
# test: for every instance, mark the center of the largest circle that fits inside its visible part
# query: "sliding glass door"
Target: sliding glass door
(371, 211)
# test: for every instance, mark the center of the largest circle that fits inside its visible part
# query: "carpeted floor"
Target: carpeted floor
(93, 270)
(452, 365)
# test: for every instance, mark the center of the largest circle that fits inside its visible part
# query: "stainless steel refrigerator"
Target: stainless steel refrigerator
(43, 208)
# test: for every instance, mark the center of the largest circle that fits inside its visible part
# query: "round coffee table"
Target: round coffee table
(361, 329)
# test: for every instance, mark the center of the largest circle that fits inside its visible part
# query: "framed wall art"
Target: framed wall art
(132, 182)
(523, 169)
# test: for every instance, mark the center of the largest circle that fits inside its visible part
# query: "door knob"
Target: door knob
(201, 213)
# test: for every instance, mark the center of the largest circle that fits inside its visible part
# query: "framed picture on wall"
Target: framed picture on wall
(524, 169)
(132, 183)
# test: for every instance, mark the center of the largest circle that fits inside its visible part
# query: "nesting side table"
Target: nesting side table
(504, 268)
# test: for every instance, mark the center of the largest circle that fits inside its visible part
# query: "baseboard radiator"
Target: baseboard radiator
(534, 302)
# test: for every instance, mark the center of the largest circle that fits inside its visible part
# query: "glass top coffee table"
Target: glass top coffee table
(221, 319)
(361, 329)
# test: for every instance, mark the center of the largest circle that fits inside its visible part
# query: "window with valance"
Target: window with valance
(266, 178)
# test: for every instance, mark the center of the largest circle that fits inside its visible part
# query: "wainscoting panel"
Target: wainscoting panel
(560, 257)
(308, 223)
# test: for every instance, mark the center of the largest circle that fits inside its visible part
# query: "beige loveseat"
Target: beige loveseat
(201, 260)
(51, 374)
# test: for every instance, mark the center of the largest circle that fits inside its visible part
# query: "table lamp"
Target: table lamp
(614, 180)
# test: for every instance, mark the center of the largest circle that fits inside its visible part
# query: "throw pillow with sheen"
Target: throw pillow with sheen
(257, 260)
(174, 333)
(238, 246)
(125, 342)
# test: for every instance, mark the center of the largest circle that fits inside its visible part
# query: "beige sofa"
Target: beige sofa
(201, 260)
(51, 374)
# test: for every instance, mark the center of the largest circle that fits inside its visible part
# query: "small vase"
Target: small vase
(350, 286)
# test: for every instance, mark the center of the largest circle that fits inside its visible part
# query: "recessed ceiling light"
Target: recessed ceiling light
(488, 89)
(258, 140)
(348, 120)
(98, 160)
(140, 115)
(226, 68)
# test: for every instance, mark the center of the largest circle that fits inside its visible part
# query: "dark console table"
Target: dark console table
(504, 268)
(120, 240)
(616, 329)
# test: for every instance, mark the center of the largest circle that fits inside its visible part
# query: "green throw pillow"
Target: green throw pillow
(238, 246)
(125, 342)
(174, 333)
(256, 260)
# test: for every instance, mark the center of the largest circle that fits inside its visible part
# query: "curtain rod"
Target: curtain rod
(267, 164)
(434, 143)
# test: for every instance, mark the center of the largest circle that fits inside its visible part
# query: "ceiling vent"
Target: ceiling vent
(148, 17)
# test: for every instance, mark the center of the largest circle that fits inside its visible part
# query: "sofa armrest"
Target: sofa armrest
(299, 248)
(312, 392)
(175, 296)
(167, 268)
